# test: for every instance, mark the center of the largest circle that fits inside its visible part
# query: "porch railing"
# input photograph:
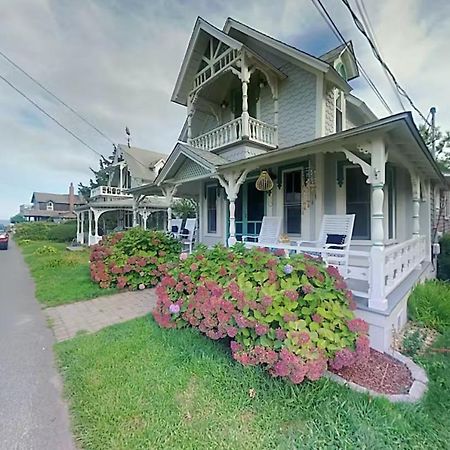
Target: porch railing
(110, 191)
(401, 259)
(226, 134)
(258, 131)
(261, 132)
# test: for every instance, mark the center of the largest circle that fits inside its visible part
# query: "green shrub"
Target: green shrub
(45, 250)
(135, 259)
(290, 315)
(63, 232)
(429, 304)
(24, 242)
(33, 231)
(443, 260)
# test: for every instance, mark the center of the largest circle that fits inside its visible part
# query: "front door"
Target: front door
(250, 209)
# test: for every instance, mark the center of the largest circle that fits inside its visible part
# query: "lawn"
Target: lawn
(61, 277)
(137, 386)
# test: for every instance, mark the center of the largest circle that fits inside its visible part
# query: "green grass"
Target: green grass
(429, 304)
(136, 386)
(61, 277)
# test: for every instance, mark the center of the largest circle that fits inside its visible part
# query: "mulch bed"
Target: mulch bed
(380, 373)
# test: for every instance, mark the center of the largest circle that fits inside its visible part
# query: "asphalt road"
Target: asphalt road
(32, 412)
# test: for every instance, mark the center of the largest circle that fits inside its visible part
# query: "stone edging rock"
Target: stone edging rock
(416, 391)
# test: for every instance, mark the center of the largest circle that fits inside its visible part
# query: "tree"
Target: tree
(442, 144)
(18, 218)
(185, 208)
(101, 176)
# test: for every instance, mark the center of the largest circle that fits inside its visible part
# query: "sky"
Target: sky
(116, 63)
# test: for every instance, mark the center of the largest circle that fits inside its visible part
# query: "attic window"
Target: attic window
(49, 206)
(342, 71)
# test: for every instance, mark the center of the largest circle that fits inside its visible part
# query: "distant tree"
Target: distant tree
(101, 176)
(185, 208)
(18, 218)
(442, 144)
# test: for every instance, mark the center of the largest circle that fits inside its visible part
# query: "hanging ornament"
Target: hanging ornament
(264, 182)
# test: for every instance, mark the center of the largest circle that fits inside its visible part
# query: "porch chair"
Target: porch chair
(176, 227)
(187, 234)
(268, 235)
(334, 241)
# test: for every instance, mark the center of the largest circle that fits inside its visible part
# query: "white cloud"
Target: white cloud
(117, 62)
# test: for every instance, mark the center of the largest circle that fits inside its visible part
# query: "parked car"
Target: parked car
(4, 238)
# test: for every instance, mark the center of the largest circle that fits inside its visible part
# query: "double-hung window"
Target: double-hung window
(293, 202)
(211, 207)
(339, 108)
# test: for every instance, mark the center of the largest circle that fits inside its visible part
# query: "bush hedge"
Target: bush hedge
(134, 259)
(291, 315)
(46, 231)
(443, 260)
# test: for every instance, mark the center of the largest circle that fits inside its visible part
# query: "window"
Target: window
(342, 71)
(358, 201)
(211, 206)
(392, 200)
(339, 109)
(49, 206)
(293, 202)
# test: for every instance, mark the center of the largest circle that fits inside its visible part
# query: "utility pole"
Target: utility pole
(433, 131)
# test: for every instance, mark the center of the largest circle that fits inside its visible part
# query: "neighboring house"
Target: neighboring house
(112, 208)
(45, 206)
(256, 104)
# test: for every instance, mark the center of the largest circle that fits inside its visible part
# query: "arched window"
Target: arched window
(49, 206)
(342, 71)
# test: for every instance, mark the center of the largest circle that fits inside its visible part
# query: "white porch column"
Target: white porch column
(231, 182)
(169, 192)
(377, 298)
(245, 79)
(415, 183)
(135, 211)
(81, 241)
(97, 215)
(89, 242)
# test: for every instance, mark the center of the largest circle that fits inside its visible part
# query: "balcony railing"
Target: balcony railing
(108, 191)
(231, 132)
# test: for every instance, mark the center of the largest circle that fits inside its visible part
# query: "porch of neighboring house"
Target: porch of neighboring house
(112, 210)
(389, 193)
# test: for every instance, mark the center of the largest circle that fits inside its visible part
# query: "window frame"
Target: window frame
(209, 230)
(300, 169)
(50, 206)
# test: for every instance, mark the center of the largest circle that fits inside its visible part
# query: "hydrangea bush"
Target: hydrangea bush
(133, 259)
(291, 315)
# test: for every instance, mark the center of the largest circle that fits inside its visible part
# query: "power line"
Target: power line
(361, 28)
(62, 102)
(329, 21)
(43, 111)
(370, 30)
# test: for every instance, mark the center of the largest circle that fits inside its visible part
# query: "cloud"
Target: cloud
(116, 62)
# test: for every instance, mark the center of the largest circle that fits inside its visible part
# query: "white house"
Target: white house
(111, 207)
(256, 104)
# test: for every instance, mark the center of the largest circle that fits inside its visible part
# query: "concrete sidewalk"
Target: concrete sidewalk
(33, 414)
(92, 315)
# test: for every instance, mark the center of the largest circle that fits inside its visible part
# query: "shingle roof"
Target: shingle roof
(141, 162)
(48, 213)
(205, 155)
(44, 197)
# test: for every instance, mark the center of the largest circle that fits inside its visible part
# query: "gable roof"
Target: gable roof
(141, 162)
(45, 197)
(286, 49)
(335, 53)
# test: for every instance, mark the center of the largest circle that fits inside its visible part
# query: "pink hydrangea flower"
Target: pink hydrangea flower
(183, 256)
(317, 318)
(358, 325)
(287, 269)
(141, 286)
(174, 308)
(261, 329)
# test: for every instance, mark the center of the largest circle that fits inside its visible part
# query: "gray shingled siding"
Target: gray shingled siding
(297, 106)
(329, 110)
(189, 169)
(202, 123)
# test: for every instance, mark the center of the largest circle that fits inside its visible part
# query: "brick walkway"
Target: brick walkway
(93, 315)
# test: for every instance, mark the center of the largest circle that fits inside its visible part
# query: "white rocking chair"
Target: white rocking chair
(187, 234)
(268, 235)
(176, 227)
(334, 241)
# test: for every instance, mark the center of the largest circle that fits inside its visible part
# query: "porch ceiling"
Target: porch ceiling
(398, 129)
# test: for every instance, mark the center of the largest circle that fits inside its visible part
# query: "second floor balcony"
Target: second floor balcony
(235, 131)
(109, 191)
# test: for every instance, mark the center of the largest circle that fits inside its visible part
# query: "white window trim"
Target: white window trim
(342, 109)
(50, 206)
(217, 232)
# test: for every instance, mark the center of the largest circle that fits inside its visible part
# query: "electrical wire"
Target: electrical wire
(361, 28)
(370, 30)
(58, 99)
(329, 21)
(43, 111)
